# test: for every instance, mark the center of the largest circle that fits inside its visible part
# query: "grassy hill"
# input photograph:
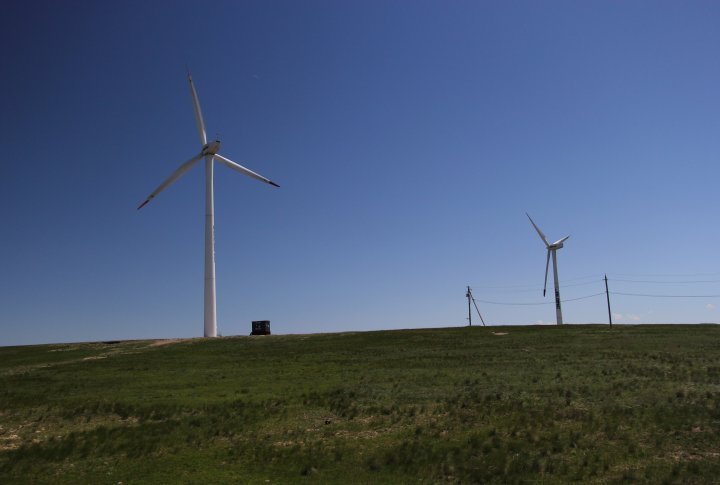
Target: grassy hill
(500, 404)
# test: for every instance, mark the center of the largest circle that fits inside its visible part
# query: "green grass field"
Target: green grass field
(470, 405)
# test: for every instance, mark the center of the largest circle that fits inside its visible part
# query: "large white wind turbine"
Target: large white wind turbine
(209, 151)
(551, 248)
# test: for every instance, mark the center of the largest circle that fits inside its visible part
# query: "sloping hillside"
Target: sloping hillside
(500, 404)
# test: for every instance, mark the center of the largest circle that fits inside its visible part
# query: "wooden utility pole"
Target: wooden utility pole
(469, 297)
(607, 295)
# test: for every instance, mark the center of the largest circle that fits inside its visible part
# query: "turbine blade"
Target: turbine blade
(198, 113)
(561, 240)
(172, 178)
(547, 265)
(540, 233)
(230, 164)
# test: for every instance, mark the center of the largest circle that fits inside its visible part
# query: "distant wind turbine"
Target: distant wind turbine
(209, 151)
(551, 248)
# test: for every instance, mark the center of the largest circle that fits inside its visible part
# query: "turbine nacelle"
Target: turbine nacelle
(211, 148)
(557, 244)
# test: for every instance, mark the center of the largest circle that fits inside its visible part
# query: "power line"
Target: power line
(586, 283)
(583, 278)
(664, 296)
(539, 303)
(585, 297)
(535, 287)
(505, 287)
(667, 274)
(515, 304)
(665, 282)
(515, 289)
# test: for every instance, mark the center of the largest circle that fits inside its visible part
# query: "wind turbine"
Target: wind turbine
(208, 151)
(551, 248)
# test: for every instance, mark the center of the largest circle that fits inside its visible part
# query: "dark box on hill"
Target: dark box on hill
(260, 327)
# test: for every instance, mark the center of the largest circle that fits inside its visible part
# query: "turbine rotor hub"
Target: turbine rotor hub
(211, 148)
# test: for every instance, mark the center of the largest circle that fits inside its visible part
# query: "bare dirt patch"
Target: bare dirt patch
(170, 341)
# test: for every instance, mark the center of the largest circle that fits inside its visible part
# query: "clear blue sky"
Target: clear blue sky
(409, 139)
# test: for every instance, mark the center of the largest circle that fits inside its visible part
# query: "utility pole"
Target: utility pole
(469, 297)
(607, 295)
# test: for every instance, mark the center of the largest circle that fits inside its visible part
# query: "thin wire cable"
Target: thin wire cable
(665, 282)
(505, 287)
(535, 286)
(598, 276)
(540, 303)
(583, 297)
(667, 274)
(586, 283)
(534, 289)
(664, 296)
(515, 304)
(476, 308)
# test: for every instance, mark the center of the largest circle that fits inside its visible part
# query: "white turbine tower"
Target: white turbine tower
(551, 248)
(209, 151)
